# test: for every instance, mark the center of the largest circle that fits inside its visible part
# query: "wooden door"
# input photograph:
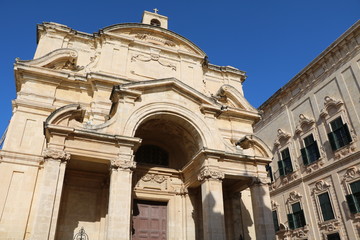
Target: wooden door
(149, 220)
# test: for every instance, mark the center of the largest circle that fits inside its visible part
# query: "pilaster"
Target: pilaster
(260, 197)
(212, 204)
(119, 211)
(50, 194)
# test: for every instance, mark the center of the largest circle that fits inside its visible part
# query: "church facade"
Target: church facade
(130, 133)
(312, 126)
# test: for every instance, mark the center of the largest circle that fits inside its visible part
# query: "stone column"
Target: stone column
(260, 198)
(212, 204)
(50, 194)
(119, 211)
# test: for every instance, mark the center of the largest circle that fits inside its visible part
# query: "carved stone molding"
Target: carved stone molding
(274, 205)
(55, 154)
(281, 136)
(303, 123)
(150, 38)
(294, 197)
(321, 186)
(154, 56)
(351, 174)
(314, 165)
(328, 104)
(208, 173)
(182, 191)
(345, 151)
(150, 177)
(289, 177)
(299, 232)
(260, 181)
(121, 164)
(329, 226)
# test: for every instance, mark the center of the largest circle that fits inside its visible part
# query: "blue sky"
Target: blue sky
(270, 40)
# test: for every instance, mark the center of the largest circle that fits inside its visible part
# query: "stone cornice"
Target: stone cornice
(320, 61)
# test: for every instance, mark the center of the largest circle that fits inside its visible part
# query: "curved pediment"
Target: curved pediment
(153, 35)
(255, 145)
(63, 58)
(233, 98)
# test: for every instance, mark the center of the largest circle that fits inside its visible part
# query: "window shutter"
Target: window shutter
(352, 203)
(304, 156)
(302, 218)
(332, 137)
(291, 221)
(281, 168)
(347, 133)
(317, 152)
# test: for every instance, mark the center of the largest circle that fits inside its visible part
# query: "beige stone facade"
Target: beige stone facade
(312, 126)
(132, 121)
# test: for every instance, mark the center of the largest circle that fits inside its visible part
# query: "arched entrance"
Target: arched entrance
(169, 143)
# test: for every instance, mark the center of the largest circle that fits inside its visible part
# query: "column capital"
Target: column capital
(259, 181)
(117, 163)
(207, 173)
(56, 154)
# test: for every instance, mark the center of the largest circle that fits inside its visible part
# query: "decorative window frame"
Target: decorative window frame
(296, 197)
(280, 144)
(324, 234)
(351, 175)
(333, 109)
(332, 225)
(305, 128)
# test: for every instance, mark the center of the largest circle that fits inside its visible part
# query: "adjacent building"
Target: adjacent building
(130, 133)
(312, 126)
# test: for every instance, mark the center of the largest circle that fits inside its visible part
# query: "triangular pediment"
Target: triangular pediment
(147, 34)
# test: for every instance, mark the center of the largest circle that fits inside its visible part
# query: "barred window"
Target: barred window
(152, 154)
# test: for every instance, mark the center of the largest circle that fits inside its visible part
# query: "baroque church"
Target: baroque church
(130, 133)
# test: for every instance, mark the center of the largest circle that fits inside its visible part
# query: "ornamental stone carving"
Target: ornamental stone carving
(328, 104)
(281, 136)
(121, 164)
(303, 123)
(321, 186)
(274, 205)
(55, 154)
(329, 226)
(210, 174)
(351, 173)
(345, 151)
(153, 178)
(294, 197)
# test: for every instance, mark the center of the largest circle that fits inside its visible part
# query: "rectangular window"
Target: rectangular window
(353, 199)
(296, 219)
(285, 166)
(340, 135)
(310, 153)
(275, 220)
(325, 205)
(333, 236)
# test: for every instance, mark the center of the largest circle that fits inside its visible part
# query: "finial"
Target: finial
(156, 10)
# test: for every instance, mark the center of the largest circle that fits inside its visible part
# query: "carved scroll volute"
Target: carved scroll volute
(121, 164)
(304, 122)
(328, 104)
(282, 136)
(56, 155)
(294, 197)
(210, 174)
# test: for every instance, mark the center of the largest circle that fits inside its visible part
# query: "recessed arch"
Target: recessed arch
(207, 137)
